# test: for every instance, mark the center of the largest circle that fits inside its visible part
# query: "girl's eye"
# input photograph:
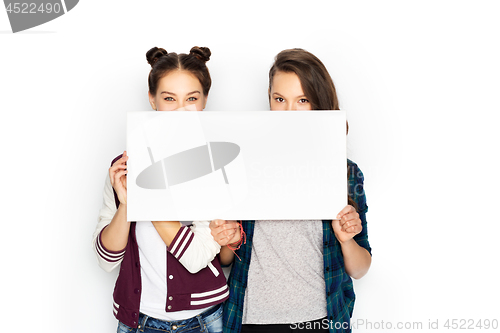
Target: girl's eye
(303, 100)
(279, 99)
(192, 99)
(170, 99)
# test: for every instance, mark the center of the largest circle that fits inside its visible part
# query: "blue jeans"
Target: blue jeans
(209, 321)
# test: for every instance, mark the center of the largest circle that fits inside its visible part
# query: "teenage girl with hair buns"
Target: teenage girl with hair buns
(297, 274)
(170, 277)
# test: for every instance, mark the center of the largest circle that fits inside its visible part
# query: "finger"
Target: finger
(228, 233)
(223, 240)
(122, 159)
(211, 225)
(226, 241)
(351, 224)
(343, 220)
(120, 162)
(352, 216)
(111, 171)
(355, 229)
(219, 233)
(230, 226)
(215, 224)
(118, 175)
(116, 168)
(344, 211)
(336, 225)
(219, 222)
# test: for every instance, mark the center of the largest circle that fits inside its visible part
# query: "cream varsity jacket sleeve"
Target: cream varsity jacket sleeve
(193, 246)
(108, 260)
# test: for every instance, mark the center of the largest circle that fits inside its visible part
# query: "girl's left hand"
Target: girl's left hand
(347, 225)
(225, 232)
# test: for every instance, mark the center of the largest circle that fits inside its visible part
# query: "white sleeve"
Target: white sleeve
(108, 260)
(194, 246)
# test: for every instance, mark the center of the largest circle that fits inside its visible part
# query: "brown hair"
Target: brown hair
(315, 80)
(163, 62)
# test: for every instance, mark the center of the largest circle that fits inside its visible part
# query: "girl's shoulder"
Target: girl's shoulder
(354, 172)
(355, 180)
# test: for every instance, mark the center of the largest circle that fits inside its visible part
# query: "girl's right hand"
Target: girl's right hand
(118, 177)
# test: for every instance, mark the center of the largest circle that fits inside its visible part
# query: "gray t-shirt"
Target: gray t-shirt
(286, 283)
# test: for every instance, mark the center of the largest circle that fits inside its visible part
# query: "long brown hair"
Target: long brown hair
(315, 80)
(163, 62)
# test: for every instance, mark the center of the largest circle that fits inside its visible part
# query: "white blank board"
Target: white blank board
(187, 165)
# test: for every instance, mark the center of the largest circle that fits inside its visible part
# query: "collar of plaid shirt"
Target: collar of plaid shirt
(339, 290)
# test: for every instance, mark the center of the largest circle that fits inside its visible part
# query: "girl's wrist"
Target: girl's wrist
(347, 243)
(236, 245)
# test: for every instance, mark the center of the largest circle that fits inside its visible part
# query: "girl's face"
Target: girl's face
(286, 93)
(178, 89)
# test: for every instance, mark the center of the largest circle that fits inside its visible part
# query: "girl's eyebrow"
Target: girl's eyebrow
(300, 97)
(171, 93)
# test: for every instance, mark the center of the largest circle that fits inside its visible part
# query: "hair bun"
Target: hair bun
(154, 54)
(202, 53)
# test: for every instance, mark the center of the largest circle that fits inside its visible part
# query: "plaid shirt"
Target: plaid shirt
(339, 289)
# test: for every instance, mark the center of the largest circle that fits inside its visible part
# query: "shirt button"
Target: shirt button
(135, 314)
(169, 307)
(170, 277)
(170, 298)
(135, 323)
(137, 264)
(136, 290)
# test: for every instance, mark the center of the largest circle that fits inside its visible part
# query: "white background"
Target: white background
(420, 84)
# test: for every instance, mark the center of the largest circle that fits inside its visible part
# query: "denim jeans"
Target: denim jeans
(209, 321)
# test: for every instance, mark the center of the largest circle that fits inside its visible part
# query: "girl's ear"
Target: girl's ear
(152, 101)
(205, 103)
